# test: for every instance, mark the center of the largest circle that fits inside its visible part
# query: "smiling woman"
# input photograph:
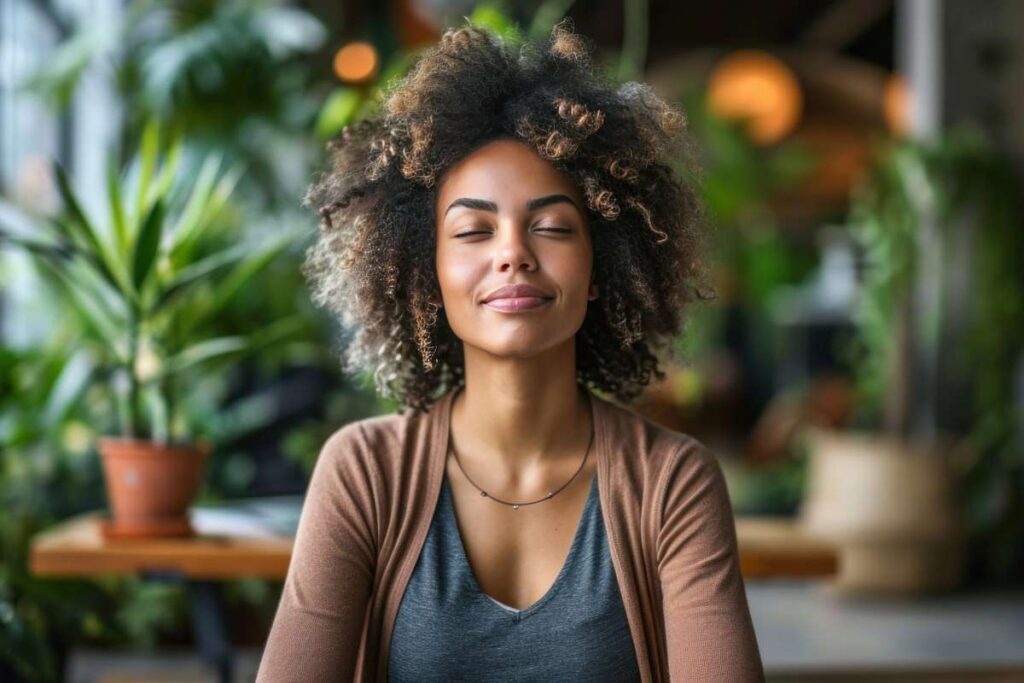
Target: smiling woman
(510, 231)
(512, 236)
(613, 149)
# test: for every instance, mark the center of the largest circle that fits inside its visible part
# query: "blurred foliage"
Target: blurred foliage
(229, 72)
(144, 285)
(774, 489)
(48, 472)
(752, 259)
(234, 79)
(966, 184)
(347, 104)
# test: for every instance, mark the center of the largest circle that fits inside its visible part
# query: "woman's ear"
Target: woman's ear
(593, 292)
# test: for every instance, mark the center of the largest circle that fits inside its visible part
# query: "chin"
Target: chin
(521, 346)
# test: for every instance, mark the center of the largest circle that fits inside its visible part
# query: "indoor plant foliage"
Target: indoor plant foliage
(232, 71)
(939, 330)
(144, 285)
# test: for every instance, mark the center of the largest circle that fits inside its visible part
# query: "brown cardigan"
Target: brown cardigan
(666, 510)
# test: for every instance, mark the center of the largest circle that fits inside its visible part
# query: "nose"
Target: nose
(512, 250)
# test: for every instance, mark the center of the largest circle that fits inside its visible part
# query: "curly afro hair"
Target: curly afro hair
(373, 262)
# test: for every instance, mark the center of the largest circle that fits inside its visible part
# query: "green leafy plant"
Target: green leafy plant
(945, 361)
(145, 283)
(231, 71)
(47, 421)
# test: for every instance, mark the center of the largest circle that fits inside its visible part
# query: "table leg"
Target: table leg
(208, 626)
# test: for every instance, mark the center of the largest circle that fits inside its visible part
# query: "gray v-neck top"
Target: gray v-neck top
(448, 629)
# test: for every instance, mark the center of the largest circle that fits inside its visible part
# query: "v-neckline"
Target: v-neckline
(560, 578)
(605, 414)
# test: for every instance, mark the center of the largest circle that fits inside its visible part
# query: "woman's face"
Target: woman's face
(506, 216)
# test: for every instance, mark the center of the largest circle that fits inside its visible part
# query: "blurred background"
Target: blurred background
(859, 374)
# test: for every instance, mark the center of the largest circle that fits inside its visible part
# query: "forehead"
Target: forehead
(506, 172)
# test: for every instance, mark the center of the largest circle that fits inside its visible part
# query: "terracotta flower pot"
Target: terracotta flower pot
(150, 486)
(892, 508)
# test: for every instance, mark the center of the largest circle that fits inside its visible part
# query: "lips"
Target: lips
(516, 298)
(517, 291)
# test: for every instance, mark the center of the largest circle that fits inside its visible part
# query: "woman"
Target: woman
(509, 236)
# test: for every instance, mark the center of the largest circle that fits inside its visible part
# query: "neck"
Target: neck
(521, 418)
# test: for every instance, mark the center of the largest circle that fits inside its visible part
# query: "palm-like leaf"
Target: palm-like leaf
(147, 245)
(155, 275)
(78, 226)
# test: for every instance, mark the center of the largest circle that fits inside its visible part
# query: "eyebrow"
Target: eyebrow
(532, 205)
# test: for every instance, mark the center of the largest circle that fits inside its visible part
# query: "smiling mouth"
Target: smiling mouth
(518, 303)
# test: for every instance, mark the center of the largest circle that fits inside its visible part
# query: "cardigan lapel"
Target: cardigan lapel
(609, 477)
(612, 486)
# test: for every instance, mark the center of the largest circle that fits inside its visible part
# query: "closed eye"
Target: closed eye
(477, 232)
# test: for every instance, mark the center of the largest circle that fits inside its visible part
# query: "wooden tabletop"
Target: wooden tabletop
(778, 547)
(769, 548)
(77, 548)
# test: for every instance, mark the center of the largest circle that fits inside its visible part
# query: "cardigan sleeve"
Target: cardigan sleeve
(316, 632)
(708, 629)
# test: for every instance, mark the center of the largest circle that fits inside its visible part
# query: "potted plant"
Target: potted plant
(939, 329)
(143, 284)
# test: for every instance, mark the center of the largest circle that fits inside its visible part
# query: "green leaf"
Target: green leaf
(547, 15)
(63, 231)
(148, 245)
(87, 304)
(79, 221)
(492, 16)
(76, 375)
(44, 249)
(159, 411)
(59, 74)
(204, 351)
(189, 223)
(170, 166)
(233, 283)
(79, 225)
(200, 270)
(117, 212)
(338, 111)
(222, 348)
(147, 165)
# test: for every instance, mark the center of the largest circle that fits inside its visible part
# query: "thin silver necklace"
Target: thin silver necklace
(516, 506)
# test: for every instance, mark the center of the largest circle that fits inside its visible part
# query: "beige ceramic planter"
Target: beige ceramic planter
(150, 486)
(891, 507)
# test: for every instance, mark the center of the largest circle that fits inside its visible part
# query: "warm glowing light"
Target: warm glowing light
(355, 62)
(896, 104)
(759, 88)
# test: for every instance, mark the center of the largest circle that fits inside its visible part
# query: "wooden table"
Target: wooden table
(769, 548)
(778, 548)
(76, 548)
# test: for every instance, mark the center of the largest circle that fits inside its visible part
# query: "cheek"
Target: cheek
(572, 268)
(457, 275)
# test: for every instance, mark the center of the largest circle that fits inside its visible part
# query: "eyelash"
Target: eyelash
(565, 231)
